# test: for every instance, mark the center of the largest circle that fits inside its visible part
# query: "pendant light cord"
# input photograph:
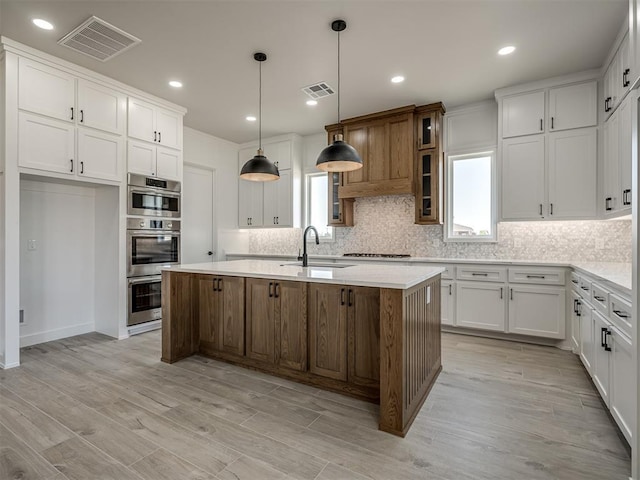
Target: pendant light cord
(260, 108)
(338, 77)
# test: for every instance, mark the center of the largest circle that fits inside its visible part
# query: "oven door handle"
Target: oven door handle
(153, 233)
(155, 193)
(136, 280)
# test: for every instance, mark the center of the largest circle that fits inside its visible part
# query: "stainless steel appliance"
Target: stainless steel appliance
(151, 244)
(145, 299)
(150, 196)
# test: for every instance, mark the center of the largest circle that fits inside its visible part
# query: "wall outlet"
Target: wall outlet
(32, 245)
(599, 243)
(428, 295)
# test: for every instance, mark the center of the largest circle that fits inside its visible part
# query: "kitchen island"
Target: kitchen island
(370, 331)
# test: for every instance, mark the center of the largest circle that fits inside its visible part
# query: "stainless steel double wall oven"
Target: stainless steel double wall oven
(153, 241)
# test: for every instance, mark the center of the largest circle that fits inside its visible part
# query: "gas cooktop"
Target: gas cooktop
(377, 255)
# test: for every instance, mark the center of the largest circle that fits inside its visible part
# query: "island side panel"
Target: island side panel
(179, 330)
(410, 356)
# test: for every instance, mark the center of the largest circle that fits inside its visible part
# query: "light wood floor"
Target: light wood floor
(90, 407)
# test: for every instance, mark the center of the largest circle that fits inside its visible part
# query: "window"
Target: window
(471, 198)
(317, 204)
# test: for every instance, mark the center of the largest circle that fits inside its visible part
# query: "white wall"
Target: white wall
(57, 274)
(209, 151)
(312, 145)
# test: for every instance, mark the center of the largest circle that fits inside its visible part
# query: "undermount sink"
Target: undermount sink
(319, 265)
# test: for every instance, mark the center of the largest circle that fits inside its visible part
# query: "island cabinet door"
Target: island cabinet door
(291, 325)
(260, 319)
(231, 314)
(208, 321)
(328, 330)
(363, 320)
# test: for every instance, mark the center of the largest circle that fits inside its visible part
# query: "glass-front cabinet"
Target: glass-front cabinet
(340, 209)
(426, 124)
(429, 188)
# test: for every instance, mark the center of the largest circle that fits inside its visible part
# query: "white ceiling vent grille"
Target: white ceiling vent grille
(318, 90)
(99, 39)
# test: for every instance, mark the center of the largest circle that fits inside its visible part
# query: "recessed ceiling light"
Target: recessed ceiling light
(251, 118)
(312, 103)
(175, 84)
(397, 79)
(38, 22)
(506, 50)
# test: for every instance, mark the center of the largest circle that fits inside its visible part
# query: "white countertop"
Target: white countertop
(363, 275)
(618, 275)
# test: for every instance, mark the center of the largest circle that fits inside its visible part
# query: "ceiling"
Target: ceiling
(446, 50)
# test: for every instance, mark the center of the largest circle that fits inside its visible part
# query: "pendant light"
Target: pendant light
(259, 168)
(339, 156)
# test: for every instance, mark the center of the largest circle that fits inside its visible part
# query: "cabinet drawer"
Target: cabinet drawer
(620, 313)
(585, 289)
(491, 274)
(600, 299)
(575, 281)
(449, 272)
(543, 276)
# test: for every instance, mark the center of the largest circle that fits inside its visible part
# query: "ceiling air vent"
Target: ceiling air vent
(318, 90)
(99, 39)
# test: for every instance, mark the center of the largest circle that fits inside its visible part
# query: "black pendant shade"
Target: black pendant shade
(259, 168)
(339, 157)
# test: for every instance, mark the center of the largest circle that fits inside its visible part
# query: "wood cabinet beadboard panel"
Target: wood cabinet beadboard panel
(328, 331)
(180, 333)
(46, 90)
(363, 335)
(291, 325)
(207, 309)
(260, 324)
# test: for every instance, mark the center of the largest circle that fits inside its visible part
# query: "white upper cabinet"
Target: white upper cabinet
(154, 124)
(46, 144)
(46, 90)
(523, 114)
(573, 106)
(100, 155)
(101, 108)
(278, 200)
(572, 174)
(625, 139)
(611, 164)
(154, 161)
(279, 153)
(168, 163)
(617, 78)
(523, 178)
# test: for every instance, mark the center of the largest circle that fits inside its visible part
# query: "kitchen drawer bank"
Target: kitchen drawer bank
(368, 331)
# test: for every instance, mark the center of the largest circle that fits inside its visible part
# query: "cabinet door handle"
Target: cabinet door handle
(501, 293)
(626, 197)
(579, 311)
(350, 298)
(71, 165)
(155, 135)
(625, 80)
(551, 123)
(219, 284)
(81, 116)
(574, 281)
(159, 137)
(599, 298)
(606, 343)
(586, 289)
(270, 287)
(607, 204)
(81, 167)
(541, 127)
(215, 283)
(551, 209)
(511, 294)
(575, 305)
(540, 209)
(277, 290)
(71, 113)
(342, 296)
(277, 220)
(449, 289)
(603, 342)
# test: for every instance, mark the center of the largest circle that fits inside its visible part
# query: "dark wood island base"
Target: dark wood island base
(377, 344)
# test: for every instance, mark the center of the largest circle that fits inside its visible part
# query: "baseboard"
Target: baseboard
(145, 327)
(513, 337)
(8, 366)
(57, 334)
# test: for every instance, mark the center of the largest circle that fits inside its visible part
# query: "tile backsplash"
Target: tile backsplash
(385, 225)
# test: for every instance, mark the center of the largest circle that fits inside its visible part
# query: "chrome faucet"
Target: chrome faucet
(305, 257)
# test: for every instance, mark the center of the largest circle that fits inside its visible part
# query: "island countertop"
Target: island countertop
(362, 275)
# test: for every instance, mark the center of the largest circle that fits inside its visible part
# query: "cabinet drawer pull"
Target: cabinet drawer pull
(599, 298)
(551, 209)
(586, 289)
(159, 137)
(607, 333)
(625, 80)
(276, 290)
(626, 197)
(536, 276)
(71, 113)
(574, 281)
(621, 314)
(155, 135)
(81, 167)
(603, 342)
(81, 116)
(342, 296)
(511, 293)
(219, 284)
(575, 306)
(476, 274)
(540, 209)
(607, 204)
(215, 288)
(449, 289)
(270, 291)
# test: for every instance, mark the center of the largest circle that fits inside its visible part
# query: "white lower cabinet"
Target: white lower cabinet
(481, 305)
(622, 390)
(537, 310)
(46, 144)
(575, 321)
(600, 367)
(586, 336)
(447, 303)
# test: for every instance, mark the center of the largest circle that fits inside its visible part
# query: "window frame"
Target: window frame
(448, 223)
(307, 205)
